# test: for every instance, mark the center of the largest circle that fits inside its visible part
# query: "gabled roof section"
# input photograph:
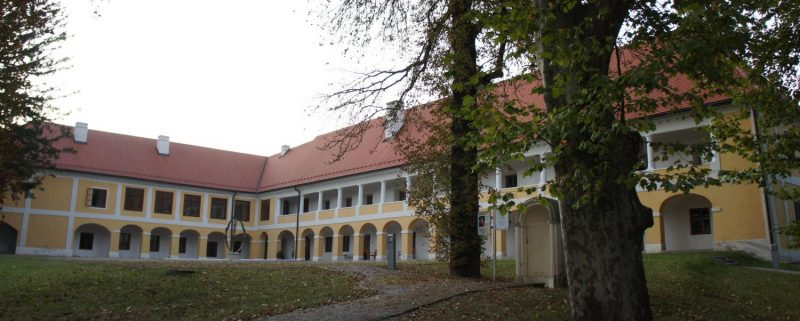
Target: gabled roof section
(136, 157)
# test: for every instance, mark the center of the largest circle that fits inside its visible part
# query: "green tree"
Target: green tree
(29, 31)
(595, 64)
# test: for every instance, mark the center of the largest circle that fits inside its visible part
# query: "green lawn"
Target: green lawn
(686, 286)
(36, 288)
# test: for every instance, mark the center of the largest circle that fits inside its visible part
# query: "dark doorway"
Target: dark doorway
(211, 249)
(367, 250)
(308, 248)
(8, 239)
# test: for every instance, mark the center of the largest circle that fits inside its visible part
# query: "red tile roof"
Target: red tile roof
(135, 157)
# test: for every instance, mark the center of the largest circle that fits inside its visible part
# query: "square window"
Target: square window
(369, 200)
(328, 244)
(182, 245)
(700, 221)
(219, 208)
(241, 210)
(191, 205)
(155, 243)
(125, 241)
(511, 180)
(134, 199)
(264, 210)
(163, 202)
(96, 197)
(86, 241)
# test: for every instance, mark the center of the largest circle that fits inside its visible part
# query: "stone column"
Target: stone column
(543, 172)
(301, 249)
(174, 246)
(337, 248)
(381, 246)
(145, 246)
(650, 163)
(358, 247)
(408, 245)
(114, 252)
(273, 246)
(498, 178)
(202, 250)
(319, 202)
(318, 248)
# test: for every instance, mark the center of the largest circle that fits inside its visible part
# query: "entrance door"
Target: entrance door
(211, 249)
(8, 239)
(367, 250)
(538, 254)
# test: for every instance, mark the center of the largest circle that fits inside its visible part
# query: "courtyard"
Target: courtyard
(683, 286)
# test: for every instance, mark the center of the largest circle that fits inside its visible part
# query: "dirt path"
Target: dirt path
(391, 299)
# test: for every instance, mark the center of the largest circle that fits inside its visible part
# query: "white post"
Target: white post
(408, 191)
(360, 195)
(278, 207)
(300, 202)
(383, 192)
(339, 198)
(650, 164)
(319, 201)
(498, 178)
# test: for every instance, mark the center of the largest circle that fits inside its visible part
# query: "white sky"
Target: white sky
(234, 75)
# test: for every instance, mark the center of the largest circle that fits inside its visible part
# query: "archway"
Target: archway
(241, 245)
(326, 238)
(346, 242)
(369, 241)
(91, 240)
(215, 247)
(8, 239)
(130, 242)
(420, 239)
(308, 244)
(393, 228)
(160, 243)
(189, 244)
(687, 223)
(286, 251)
(539, 251)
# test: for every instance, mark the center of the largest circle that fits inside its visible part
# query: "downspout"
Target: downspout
(771, 218)
(297, 224)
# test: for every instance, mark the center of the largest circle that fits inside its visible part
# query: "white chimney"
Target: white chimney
(394, 119)
(81, 133)
(162, 145)
(284, 150)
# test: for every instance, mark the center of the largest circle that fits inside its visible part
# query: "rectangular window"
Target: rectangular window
(285, 207)
(125, 241)
(219, 208)
(191, 205)
(328, 244)
(211, 249)
(134, 199)
(401, 196)
(346, 243)
(86, 241)
(241, 210)
(96, 197)
(182, 245)
(155, 243)
(264, 210)
(700, 221)
(511, 180)
(305, 205)
(326, 205)
(348, 202)
(163, 202)
(369, 200)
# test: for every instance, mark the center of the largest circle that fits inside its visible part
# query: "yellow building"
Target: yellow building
(130, 197)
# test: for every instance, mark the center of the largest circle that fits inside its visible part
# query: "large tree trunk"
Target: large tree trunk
(603, 241)
(465, 244)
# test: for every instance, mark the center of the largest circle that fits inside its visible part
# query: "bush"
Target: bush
(793, 232)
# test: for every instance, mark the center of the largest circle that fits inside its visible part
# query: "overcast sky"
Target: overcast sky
(234, 75)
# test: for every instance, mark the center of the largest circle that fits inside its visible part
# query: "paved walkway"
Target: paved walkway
(391, 300)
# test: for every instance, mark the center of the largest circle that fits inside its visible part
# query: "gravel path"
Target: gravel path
(392, 299)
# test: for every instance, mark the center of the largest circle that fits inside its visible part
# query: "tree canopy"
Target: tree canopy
(29, 32)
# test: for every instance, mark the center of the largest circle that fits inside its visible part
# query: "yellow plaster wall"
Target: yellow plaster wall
(347, 212)
(308, 216)
(653, 234)
(393, 207)
(284, 219)
(327, 214)
(368, 210)
(46, 231)
(7, 202)
(55, 194)
(84, 185)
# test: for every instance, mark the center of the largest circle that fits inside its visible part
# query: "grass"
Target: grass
(685, 286)
(36, 288)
